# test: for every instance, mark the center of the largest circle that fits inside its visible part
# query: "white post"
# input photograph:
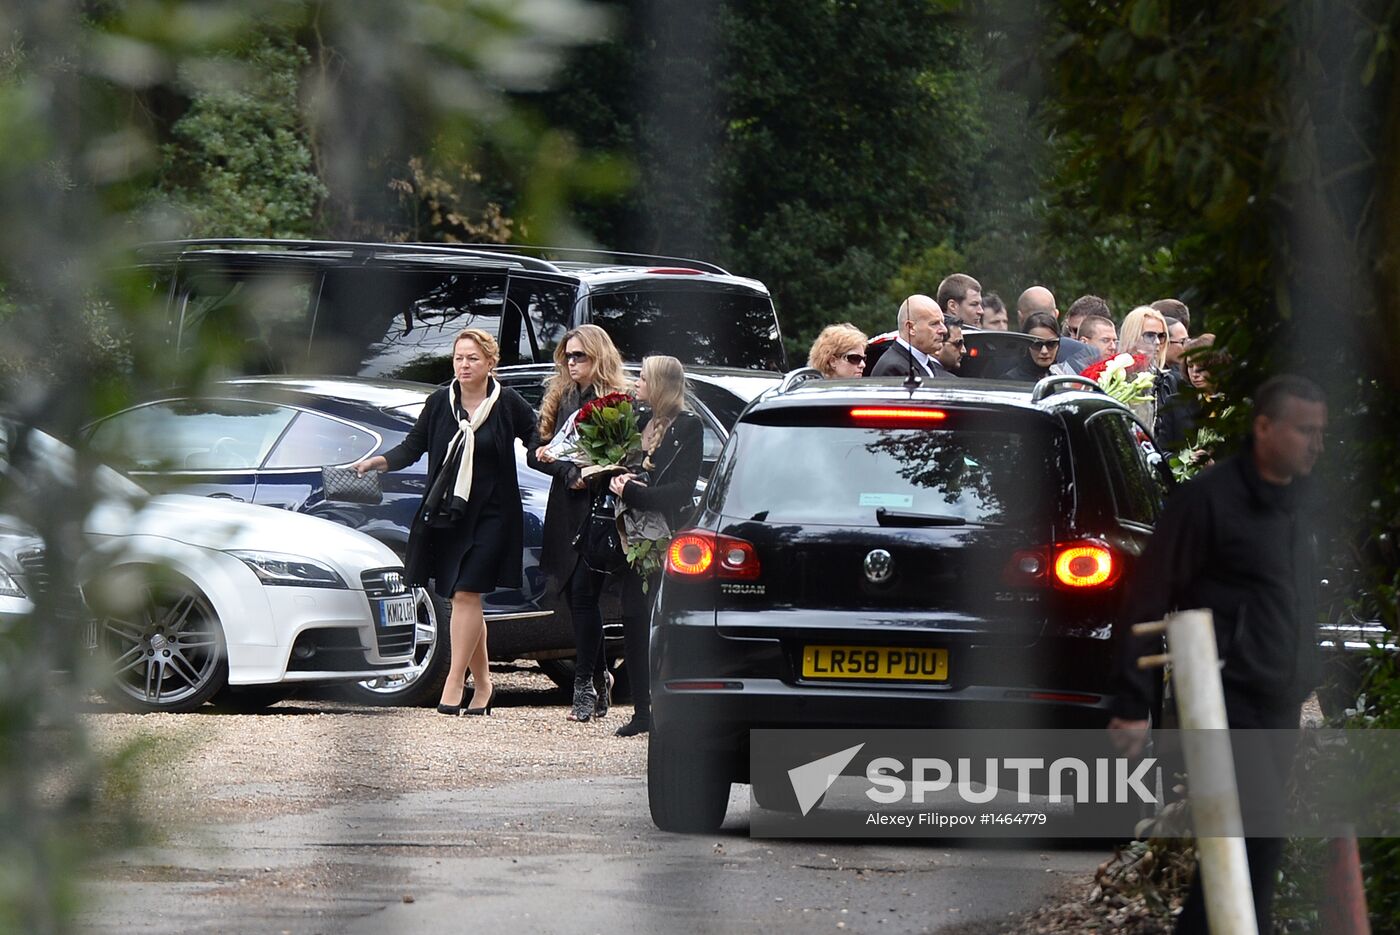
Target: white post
(1215, 802)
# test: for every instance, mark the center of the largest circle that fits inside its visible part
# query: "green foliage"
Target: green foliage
(240, 163)
(101, 105)
(834, 147)
(646, 557)
(437, 205)
(1246, 152)
(852, 135)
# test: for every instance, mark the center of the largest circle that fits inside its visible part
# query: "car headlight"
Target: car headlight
(9, 587)
(290, 570)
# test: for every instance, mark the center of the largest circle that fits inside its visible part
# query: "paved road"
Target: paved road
(571, 855)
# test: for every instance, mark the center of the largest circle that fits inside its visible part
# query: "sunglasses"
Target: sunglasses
(1042, 345)
(958, 343)
(1156, 337)
(854, 358)
(575, 357)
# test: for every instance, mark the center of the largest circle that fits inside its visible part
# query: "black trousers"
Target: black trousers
(1262, 769)
(636, 633)
(583, 591)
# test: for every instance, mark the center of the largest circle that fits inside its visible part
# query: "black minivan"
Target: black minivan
(389, 310)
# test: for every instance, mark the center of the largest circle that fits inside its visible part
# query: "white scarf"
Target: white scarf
(466, 435)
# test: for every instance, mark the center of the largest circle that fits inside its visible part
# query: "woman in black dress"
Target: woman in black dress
(673, 442)
(467, 534)
(586, 366)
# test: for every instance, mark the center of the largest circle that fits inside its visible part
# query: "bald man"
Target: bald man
(921, 337)
(1035, 299)
(1040, 299)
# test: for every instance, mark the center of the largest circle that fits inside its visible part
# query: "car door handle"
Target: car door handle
(225, 496)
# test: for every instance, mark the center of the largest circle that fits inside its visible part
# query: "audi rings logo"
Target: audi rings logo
(393, 582)
(879, 566)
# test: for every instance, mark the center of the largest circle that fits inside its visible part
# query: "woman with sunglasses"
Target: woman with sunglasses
(587, 365)
(839, 352)
(1144, 332)
(1039, 361)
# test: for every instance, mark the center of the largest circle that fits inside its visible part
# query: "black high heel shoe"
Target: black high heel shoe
(484, 709)
(452, 709)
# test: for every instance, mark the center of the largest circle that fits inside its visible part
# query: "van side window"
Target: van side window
(547, 309)
(254, 322)
(399, 324)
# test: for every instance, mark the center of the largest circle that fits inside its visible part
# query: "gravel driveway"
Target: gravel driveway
(301, 755)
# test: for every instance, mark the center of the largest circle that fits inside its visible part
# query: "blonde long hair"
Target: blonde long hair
(607, 372)
(666, 394)
(1131, 332)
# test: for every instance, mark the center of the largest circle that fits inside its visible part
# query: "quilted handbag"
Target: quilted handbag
(348, 486)
(598, 542)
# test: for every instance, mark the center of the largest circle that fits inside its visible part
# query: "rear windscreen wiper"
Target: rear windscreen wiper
(898, 518)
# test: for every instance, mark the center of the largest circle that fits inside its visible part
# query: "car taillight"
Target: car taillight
(1081, 565)
(690, 554)
(699, 553)
(1084, 565)
(886, 415)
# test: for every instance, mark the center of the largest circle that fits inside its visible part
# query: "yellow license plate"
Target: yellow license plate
(892, 663)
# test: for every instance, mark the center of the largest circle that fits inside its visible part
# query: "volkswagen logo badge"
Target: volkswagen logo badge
(879, 566)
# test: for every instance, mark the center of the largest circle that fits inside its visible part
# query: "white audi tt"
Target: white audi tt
(194, 599)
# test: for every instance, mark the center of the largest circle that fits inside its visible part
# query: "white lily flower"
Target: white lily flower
(1119, 363)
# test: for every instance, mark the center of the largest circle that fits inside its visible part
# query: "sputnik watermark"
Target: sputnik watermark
(1115, 780)
(1068, 783)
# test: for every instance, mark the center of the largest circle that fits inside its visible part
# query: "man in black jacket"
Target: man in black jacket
(1235, 541)
(921, 336)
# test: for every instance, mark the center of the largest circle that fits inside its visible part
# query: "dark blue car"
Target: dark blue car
(265, 439)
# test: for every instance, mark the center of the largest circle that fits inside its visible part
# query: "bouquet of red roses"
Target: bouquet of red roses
(1112, 376)
(607, 431)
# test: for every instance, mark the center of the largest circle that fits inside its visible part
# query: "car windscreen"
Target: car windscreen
(1004, 473)
(38, 465)
(699, 326)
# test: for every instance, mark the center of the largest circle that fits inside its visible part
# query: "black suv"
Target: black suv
(390, 310)
(870, 554)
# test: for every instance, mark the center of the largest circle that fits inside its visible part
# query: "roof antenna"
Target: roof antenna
(913, 381)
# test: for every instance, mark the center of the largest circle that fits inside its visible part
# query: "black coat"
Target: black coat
(670, 489)
(1026, 370)
(512, 418)
(566, 508)
(1231, 542)
(897, 360)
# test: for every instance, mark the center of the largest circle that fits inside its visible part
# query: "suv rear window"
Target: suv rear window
(699, 326)
(841, 474)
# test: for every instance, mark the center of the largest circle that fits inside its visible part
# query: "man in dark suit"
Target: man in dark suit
(921, 337)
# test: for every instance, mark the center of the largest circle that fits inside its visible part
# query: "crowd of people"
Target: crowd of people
(466, 538)
(930, 341)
